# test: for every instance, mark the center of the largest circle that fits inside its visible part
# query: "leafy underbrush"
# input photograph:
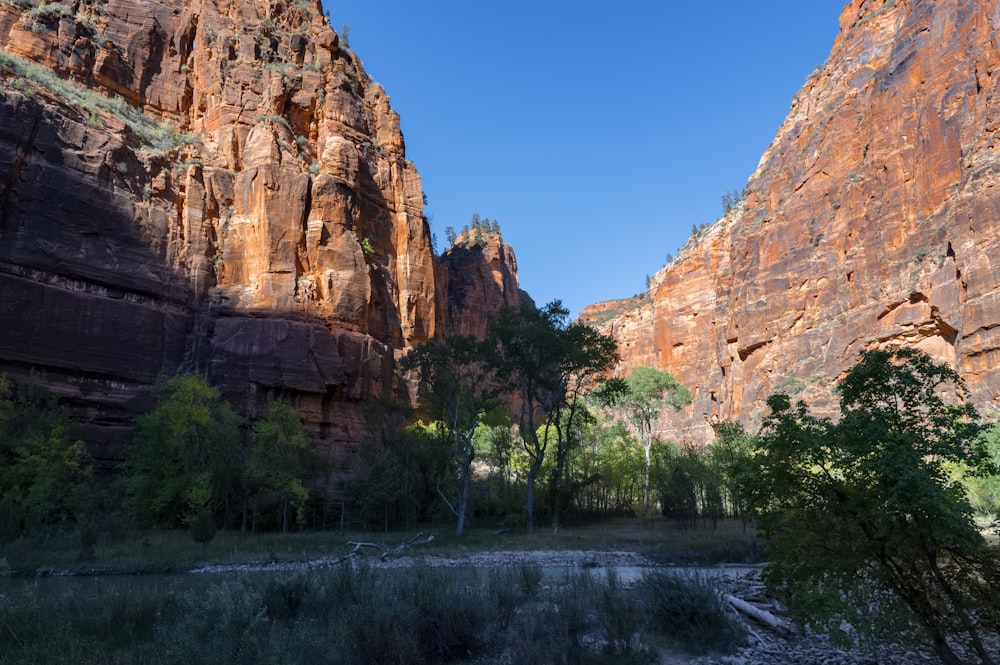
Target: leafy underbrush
(353, 615)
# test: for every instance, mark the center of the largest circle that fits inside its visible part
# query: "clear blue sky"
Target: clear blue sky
(597, 133)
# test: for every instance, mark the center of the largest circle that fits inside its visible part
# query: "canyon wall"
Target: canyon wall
(209, 186)
(477, 276)
(872, 219)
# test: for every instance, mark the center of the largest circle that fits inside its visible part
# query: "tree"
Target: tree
(548, 364)
(458, 386)
(585, 357)
(43, 472)
(525, 337)
(730, 456)
(276, 462)
(186, 455)
(984, 490)
(400, 469)
(862, 514)
(203, 528)
(647, 391)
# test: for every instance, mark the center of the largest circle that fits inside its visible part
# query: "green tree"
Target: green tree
(186, 455)
(647, 392)
(549, 364)
(585, 357)
(984, 490)
(525, 337)
(400, 472)
(203, 528)
(609, 468)
(861, 513)
(43, 473)
(458, 387)
(675, 475)
(277, 462)
(730, 456)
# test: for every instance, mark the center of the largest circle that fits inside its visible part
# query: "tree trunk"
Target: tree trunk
(530, 499)
(561, 452)
(956, 602)
(468, 454)
(647, 446)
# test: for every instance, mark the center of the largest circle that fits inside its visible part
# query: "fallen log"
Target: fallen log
(760, 616)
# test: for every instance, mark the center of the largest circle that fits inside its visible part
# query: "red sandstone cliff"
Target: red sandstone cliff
(245, 210)
(477, 276)
(873, 218)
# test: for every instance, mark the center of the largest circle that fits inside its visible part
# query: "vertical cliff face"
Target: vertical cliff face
(477, 276)
(211, 186)
(873, 218)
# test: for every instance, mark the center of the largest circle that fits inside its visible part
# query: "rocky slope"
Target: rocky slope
(873, 218)
(210, 186)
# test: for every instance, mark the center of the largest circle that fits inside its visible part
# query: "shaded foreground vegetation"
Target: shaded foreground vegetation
(363, 615)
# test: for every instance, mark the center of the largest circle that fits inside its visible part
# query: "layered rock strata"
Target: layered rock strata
(872, 219)
(212, 186)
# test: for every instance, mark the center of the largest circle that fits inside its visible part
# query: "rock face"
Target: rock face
(210, 186)
(477, 276)
(873, 218)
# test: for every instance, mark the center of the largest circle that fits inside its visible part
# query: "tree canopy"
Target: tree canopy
(186, 454)
(458, 386)
(642, 399)
(43, 472)
(862, 518)
(548, 363)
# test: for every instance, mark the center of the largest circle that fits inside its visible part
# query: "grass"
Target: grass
(162, 550)
(158, 135)
(343, 615)
(353, 613)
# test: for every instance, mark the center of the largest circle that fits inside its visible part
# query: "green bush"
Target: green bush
(688, 611)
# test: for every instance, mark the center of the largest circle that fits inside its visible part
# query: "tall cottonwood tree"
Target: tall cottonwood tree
(862, 511)
(458, 386)
(647, 392)
(43, 472)
(586, 356)
(277, 461)
(548, 364)
(186, 455)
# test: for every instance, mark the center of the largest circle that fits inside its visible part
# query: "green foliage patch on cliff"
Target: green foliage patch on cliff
(158, 135)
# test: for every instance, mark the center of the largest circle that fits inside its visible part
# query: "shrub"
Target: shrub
(688, 611)
(351, 614)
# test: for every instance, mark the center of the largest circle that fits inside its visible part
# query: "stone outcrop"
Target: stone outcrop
(477, 276)
(210, 186)
(873, 218)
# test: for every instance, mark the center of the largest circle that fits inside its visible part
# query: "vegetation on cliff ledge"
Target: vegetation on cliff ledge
(156, 134)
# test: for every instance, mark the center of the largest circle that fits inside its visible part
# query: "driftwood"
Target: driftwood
(762, 617)
(402, 546)
(385, 552)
